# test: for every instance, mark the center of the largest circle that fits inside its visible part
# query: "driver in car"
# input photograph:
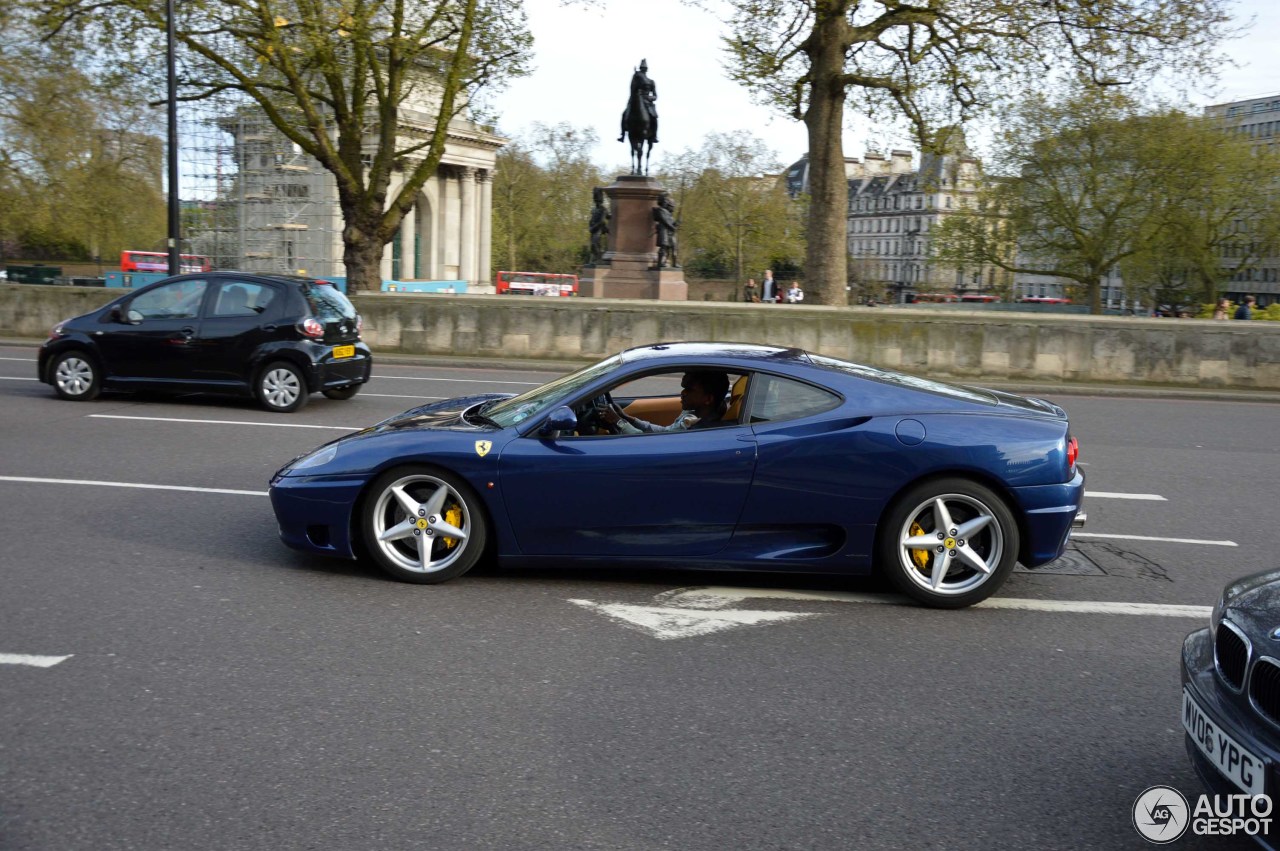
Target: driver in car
(702, 402)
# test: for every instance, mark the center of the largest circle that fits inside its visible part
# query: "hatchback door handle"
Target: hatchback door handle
(268, 327)
(187, 333)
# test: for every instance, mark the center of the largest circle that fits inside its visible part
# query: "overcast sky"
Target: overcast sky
(583, 60)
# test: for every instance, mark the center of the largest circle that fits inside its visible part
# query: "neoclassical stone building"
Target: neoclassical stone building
(277, 209)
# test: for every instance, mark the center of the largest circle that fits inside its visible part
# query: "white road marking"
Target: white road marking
(92, 483)
(223, 422)
(1153, 497)
(719, 597)
(668, 623)
(395, 396)
(460, 380)
(1150, 538)
(16, 378)
(34, 661)
(23, 360)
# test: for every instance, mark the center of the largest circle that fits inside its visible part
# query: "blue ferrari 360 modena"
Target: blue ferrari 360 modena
(704, 455)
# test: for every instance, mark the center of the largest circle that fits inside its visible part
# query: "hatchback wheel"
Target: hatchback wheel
(949, 543)
(281, 387)
(76, 377)
(423, 525)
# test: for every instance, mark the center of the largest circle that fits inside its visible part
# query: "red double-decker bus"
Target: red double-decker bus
(536, 283)
(157, 261)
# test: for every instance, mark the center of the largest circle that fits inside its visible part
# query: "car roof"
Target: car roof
(281, 278)
(714, 351)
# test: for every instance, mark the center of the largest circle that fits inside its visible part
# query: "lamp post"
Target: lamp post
(175, 235)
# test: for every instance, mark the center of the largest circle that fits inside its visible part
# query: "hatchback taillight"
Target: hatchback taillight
(359, 324)
(1073, 451)
(312, 328)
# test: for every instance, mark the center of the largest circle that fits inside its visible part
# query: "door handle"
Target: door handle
(268, 327)
(187, 333)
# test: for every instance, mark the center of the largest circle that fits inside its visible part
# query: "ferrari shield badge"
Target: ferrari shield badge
(483, 447)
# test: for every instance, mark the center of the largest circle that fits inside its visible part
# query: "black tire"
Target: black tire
(281, 388)
(979, 557)
(342, 394)
(76, 376)
(440, 498)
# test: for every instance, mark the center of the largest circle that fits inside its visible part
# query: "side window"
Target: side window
(243, 298)
(774, 398)
(179, 300)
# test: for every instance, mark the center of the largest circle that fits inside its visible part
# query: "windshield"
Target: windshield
(517, 409)
(902, 379)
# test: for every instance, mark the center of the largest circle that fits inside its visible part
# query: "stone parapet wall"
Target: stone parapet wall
(966, 345)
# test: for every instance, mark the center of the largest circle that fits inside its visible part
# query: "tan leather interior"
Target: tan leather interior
(658, 410)
(739, 390)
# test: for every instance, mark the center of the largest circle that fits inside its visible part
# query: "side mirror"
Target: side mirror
(134, 317)
(560, 419)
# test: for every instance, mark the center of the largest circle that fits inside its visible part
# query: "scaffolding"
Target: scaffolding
(255, 202)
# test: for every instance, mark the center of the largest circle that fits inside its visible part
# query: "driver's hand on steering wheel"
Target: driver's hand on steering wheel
(611, 414)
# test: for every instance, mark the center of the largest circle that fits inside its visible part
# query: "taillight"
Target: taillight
(1073, 451)
(312, 328)
(359, 324)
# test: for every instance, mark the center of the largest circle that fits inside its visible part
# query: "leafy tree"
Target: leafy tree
(934, 63)
(334, 78)
(79, 171)
(735, 215)
(542, 200)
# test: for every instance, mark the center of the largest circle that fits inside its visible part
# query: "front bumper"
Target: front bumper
(315, 513)
(1230, 714)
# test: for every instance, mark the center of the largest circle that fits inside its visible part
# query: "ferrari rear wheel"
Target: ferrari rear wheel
(949, 543)
(423, 525)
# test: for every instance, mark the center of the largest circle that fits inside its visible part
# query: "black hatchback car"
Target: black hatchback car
(276, 337)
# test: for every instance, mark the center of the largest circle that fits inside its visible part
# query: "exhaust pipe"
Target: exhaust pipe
(1079, 521)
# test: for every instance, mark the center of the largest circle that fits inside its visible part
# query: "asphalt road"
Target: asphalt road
(222, 691)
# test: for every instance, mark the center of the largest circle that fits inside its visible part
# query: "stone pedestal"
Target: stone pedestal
(626, 270)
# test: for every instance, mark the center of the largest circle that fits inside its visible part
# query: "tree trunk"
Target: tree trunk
(826, 260)
(362, 254)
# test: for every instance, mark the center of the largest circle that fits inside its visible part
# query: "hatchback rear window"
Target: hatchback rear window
(328, 304)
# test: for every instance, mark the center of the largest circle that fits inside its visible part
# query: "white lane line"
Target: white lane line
(33, 661)
(1153, 497)
(396, 396)
(16, 378)
(23, 360)
(222, 422)
(90, 482)
(719, 597)
(460, 380)
(1149, 538)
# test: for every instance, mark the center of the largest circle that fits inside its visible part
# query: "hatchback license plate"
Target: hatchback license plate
(1234, 762)
(344, 351)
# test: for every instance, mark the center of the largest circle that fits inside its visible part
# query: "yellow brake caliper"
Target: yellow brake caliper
(453, 516)
(920, 557)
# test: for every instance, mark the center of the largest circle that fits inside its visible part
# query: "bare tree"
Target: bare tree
(935, 63)
(334, 79)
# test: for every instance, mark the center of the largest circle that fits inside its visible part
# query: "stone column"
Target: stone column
(467, 256)
(486, 227)
(408, 242)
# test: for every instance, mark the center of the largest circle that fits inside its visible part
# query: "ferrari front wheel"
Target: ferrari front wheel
(423, 525)
(949, 543)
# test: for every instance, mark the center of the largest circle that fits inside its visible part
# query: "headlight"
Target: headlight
(1215, 617)
(59, 329)
(319, 458)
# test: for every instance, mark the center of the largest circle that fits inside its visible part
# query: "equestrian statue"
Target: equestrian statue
(640, 118)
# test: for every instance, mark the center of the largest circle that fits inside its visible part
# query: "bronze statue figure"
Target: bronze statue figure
(664, 217)
(640, 118)
(599, 225)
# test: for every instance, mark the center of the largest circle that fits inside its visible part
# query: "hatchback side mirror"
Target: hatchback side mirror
(561, 419)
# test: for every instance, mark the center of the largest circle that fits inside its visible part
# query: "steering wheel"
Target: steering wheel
(591, 418)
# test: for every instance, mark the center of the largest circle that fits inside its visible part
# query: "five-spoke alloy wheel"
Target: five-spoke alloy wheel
(281, 387)
(423, 525)
(76, 377)
(948, 543)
